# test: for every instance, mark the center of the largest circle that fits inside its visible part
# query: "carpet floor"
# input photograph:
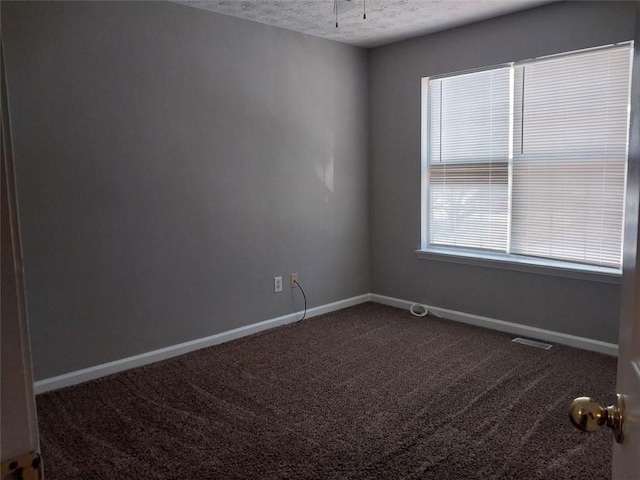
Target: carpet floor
(369, 392)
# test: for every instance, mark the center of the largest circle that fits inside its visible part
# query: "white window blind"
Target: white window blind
(530, 159)
(469, 120)
(570, 153)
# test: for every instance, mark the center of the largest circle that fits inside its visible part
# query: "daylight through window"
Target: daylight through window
(529, 158)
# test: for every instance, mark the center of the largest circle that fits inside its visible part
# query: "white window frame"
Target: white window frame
(499, 260)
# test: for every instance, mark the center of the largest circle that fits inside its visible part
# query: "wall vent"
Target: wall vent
(532, 343)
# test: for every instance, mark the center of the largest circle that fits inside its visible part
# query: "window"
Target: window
(528, 160)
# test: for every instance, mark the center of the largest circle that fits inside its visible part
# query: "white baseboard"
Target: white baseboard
(508, 327)
(97, 371)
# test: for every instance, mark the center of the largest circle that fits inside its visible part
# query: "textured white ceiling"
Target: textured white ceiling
(387, 20)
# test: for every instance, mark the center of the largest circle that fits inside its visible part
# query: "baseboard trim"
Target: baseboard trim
(508, 327)
(97, 371)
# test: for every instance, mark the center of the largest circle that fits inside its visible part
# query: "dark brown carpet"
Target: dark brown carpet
(369, 392)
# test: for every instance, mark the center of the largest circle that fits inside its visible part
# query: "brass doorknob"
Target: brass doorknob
(588, 415)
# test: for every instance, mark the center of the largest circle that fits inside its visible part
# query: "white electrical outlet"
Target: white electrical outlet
(277, 284)
(294, 279)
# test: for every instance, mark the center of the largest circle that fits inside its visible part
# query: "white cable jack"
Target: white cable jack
(418, 310)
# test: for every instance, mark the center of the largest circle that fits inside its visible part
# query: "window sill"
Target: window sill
(538, 266)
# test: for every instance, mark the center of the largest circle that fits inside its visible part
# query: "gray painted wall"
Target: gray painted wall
(578, 307)
(170, 162)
